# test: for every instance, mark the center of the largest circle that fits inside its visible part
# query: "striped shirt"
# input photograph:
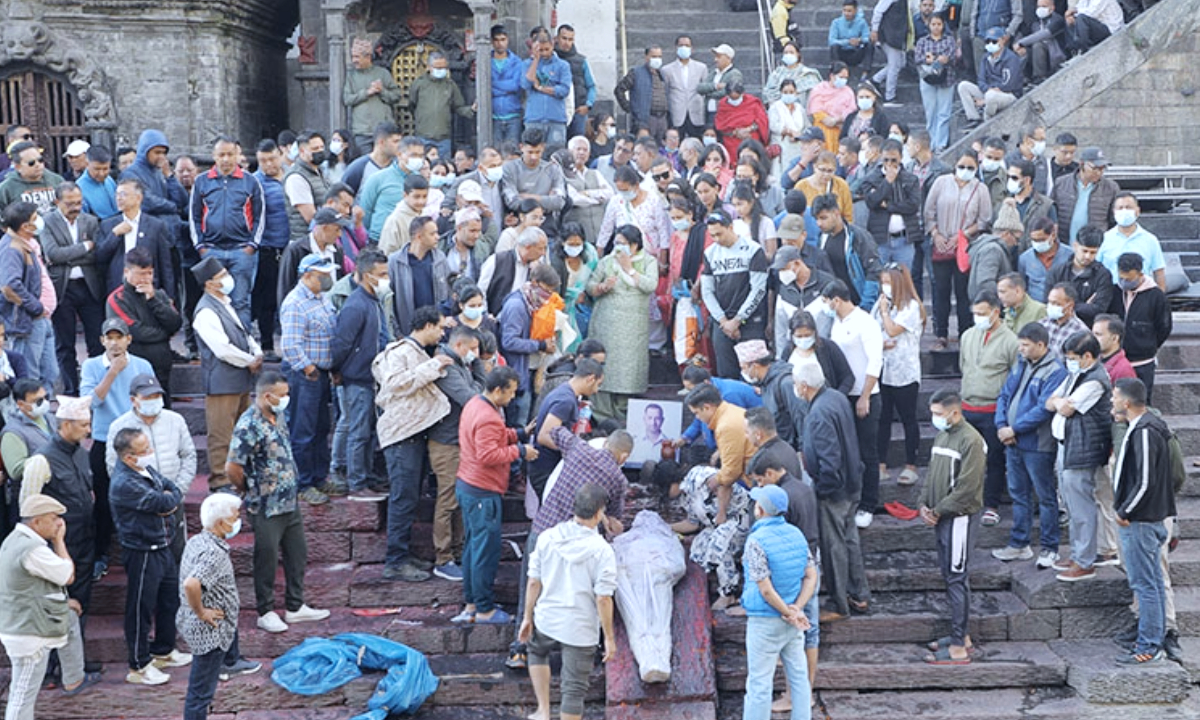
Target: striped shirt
(307, 329)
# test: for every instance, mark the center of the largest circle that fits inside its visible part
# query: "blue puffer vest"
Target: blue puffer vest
(787, 556)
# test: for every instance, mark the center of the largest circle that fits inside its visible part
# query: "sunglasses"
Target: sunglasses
(26, 136)
(1014, 177)
(966, 167)
(34, 162)
(662, 176)
(891, 161)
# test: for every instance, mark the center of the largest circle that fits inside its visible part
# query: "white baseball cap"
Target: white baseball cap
(77, 148)
(724, 49)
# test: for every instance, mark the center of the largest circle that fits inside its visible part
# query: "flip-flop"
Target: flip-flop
(946, 642)
(990, 518)
(466, 616)
(907, 477)
(498, 618)
(942, 657)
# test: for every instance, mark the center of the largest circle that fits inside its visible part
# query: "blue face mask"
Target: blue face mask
(473, 313)
(680, 225)
(839, 82)
(414, 164)
(233, 531)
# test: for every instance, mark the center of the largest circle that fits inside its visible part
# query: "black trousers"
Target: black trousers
(264, 306)
(77, 305)
(867, 429)
(101, 512)
(955, 542)
(151, 596)
(859, 57)
(159, 357)
(900, 401)
(948, 280)
(726, 361)
(995, 481)
(689, 129)
(1145, 373)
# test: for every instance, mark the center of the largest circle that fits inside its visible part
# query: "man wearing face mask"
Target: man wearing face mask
(1092, 281)
(144, 505)
(261, 465)
(643, 94)
(148, 312)
(1044, 256)
(773, 378)
(988, 350)
(1086, 197)
(991, 169)
(379, 194)
(1043, 45)
(304, 183)
(174, 452)
(229, 356)
(683, 77)
(1000, 79)
(515, 317)
(1130, 237)
(308, 321)
(1031, 204)
(1032, 148)
(1147, 315)
(799, 284)
(1060, 321)
(433, 99)
(24, 433)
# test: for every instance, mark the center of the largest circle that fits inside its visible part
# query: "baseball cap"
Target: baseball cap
(144, 385)
(791, 228)
(114, 324)
(771, 498)
(315, 262)
(724, 49)
(994, 33)
(811, 133)
(327, 216)
(470, 191)
(784, 255)
(1094, 156)
(77, 148)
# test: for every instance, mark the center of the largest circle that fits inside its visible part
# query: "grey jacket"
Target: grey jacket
(171, 441)
(402, 283)
(990, 259)
(62, 253)
(684, 102)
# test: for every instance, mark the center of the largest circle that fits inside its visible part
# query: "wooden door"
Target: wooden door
(48, 107)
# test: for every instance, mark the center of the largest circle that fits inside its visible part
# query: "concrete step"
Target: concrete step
(903, 618)
(1099, 680)
(888, 667)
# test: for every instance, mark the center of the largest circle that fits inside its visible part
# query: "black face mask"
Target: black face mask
(325, 282)
(318, 157)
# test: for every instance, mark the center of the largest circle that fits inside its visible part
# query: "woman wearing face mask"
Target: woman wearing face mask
(749, 210)
(869, 117)
(470, 309)
(902, 316)
(790, 68)
(574, 259)
(806, 346)
(936, 56)
(342, 152)
(956, 202)
(830, 103)
(632, 205)
(753, 174)
(604, 129)
(788, 119)
(529, 214)
(740, 116)
(587, 188)
(621, 287)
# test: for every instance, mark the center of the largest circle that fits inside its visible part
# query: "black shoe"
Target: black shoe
(1172, 647)
(269, 356)
(518, 658)
(418, 563)
(405, 573)
(93, 666)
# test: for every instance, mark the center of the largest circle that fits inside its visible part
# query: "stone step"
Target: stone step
(1046, 703)
(894, 667)
(905, 618)
(1097, 678)
(916, 571)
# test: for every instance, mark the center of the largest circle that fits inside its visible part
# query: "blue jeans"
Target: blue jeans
(38, 350)
(556, 133)
(896, 250)
(202, 679)
(1031, 470)
(939, 105)
(577, 126)
(243, 268)
(358, 405)
(506, 131)
(517, 412)
(406, 467)
(1141, 543)
(812, 611)
(443, 146)
(768, 638)
(308, 425)
(482, 512)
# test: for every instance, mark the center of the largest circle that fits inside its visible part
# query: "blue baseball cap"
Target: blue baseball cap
(315, 262)
(995, 33)
(771, 498)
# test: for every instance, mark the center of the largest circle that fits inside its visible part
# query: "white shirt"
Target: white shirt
(520, 274)
(299, 192)
(712, 104)
(132, 236)
(1083, 398)
(574, 565)
(47, 565)
(328, 253)
(861, 341)
(1108, 12)
(73, 228)
(208, 326)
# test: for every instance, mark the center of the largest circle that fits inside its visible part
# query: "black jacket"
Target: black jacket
(289, 265)
(71, 485)
(831, 453)
(902, 197)
(1094, 286)
(62, 253)
(1142, 488)
(880, 122)
(834, 366)
(459, 385)
(154, 234)
(143, 507)
(779, 396)
(1147, 321)
(150, 321)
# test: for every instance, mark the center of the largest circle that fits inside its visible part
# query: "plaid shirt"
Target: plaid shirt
(1060, 333)
(264, 451)
(581, 464)
(307, 329)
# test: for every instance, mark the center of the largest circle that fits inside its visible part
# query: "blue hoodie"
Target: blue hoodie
(157, 196)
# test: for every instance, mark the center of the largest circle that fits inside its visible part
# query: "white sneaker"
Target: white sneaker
(148, 675)
(863, 519)
(1046, 559)
(1009, 553)
(271, 623)
(306, 614)
(172, 659)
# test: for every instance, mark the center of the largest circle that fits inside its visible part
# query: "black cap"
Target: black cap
(327, 216)
(145, 384)
(811, 133)
(114, 324)
(207, 269)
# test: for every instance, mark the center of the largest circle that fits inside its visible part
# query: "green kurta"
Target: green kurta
(621, 320)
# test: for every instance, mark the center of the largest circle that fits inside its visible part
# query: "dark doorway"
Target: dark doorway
(48, 107)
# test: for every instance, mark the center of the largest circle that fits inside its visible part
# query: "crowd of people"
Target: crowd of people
(465, 317)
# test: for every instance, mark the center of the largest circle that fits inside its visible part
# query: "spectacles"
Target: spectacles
(965, 167)
(35, 161)
(662, 176)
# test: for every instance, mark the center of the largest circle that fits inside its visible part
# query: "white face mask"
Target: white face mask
(40, 408)
(234, 530)
(897, 137)
(439, 73)
(805, 343)
(336, 147)
(681, 224)
(655, 63)
(1125, 217)
(991, 166)
(151, 407)
(1054, 312)
(964, 174)
(983, 322)
(862, 157)
(992, 48)
(382, 286)
(414, 164)
(279, 407)
(1073, 366)
(886, 290)
(1044, 12)
(787, 98)
(940, 422)
(144, 461)
(683, 52)
(227, 284)
(1041, 247)
(1039, 148)
(573, 250)
(470, 357)
(1014, 187)
(839, 82)
(787, 277)
(473, 313)
(748, 378)
(828, 310)
(866, 103)
(735, 101)
(494, 174)
(40, 224)
(790, 59)
(708, 140)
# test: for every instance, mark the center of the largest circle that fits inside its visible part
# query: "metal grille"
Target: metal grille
(407, 66)
(46, 106)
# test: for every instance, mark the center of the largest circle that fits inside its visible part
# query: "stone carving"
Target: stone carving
(35, 43)
(649, 562)
(307, 45)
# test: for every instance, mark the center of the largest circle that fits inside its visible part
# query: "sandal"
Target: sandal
(859, 607)
(940, 344)
(908, 476)
(942, 657)
(990, 518)
(945, 642)
(466, 616)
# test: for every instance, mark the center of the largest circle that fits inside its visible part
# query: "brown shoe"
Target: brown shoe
(828, 616)
(1076, 573)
